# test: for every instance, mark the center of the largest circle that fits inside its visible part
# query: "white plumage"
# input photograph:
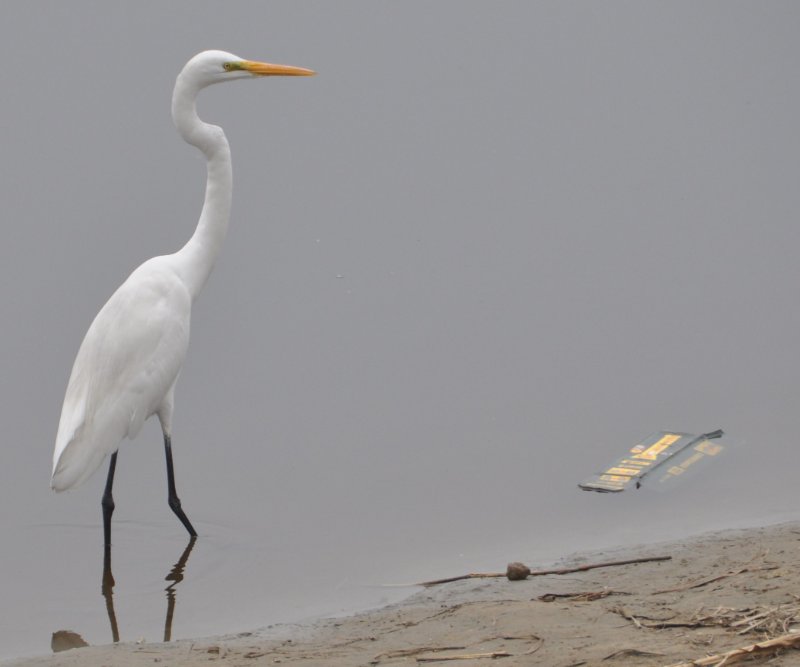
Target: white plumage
(128, 364)
(125, 370)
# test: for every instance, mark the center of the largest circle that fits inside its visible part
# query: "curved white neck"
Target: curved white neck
(196, 259)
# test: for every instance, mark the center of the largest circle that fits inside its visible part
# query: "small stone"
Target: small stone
(517, 571)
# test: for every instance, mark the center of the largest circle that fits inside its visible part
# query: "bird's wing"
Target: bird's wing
(126, 365)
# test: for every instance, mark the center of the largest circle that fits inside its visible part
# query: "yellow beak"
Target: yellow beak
(268, 69)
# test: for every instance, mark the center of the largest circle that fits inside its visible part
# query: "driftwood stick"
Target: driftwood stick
(737, 655)
(659, 625)
(582, 596)
(539, 573)
(467, 656)
(471, 575)
(592, 566)
(409, 652)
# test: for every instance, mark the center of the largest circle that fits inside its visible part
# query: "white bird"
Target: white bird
(130, 359)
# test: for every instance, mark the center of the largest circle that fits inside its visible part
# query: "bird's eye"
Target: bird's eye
(227, 66)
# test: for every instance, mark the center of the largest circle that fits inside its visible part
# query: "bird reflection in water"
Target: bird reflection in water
(175, 576)
(63, 640)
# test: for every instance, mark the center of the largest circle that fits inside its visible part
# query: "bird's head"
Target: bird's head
(209, 67)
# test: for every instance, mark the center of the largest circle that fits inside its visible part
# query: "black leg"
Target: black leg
(108, 500)
(172, 498)
(108, 578)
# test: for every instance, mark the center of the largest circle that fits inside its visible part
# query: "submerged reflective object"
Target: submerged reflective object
(681, 450)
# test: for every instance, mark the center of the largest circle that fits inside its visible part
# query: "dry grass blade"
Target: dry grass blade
(769, 621)
(535, 648)
(772, 620)
(764, 648)
(631, 653)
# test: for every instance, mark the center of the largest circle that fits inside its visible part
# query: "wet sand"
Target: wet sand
(718, 592)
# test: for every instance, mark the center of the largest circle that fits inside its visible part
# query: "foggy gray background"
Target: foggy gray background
(488, 248)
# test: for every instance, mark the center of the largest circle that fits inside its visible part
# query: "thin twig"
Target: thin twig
(659, 625)
(471, 575)
(445, 612)
(533, 649)
(467, 656)
(711, 580)
(407, 652)
(583, 596)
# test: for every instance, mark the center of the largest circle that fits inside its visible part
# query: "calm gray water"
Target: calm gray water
(477, 257)
(278, 557)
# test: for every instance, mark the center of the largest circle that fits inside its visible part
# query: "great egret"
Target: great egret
(130, 359)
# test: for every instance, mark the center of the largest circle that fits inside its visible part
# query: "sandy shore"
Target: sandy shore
(717, 593)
